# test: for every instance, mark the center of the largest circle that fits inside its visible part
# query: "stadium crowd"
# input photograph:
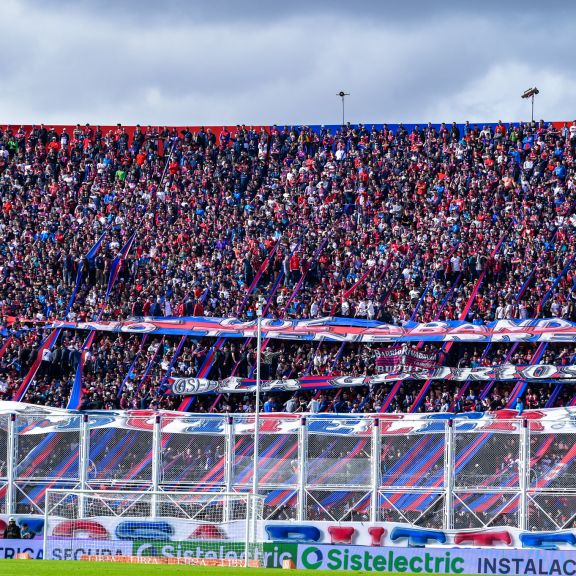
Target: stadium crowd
(367, 223)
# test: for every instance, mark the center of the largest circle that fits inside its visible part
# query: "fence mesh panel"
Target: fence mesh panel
(278, 454)
(121, 454)
(424, 509)
(485, 509)
(552, 460)
(193, 458)
(30, 496)
(549, 511)
(487, 459)
(415, 460)
(338, 505)
(339, 459)
(50, 455)
(280, 504)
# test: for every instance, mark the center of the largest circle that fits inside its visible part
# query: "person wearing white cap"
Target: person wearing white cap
(12, 531)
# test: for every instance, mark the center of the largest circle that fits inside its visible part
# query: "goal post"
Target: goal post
(203, 528)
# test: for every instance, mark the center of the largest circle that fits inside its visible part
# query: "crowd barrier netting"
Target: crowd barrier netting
(432, 470)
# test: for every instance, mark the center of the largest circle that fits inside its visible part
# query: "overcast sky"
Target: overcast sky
(282, 61)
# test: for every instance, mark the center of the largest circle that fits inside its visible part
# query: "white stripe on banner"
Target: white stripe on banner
(528, 372)
(339, 329)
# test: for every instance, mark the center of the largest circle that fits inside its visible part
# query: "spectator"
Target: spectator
(385, 224)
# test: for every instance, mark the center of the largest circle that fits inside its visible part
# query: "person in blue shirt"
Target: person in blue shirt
(560, 170)
(270, 405)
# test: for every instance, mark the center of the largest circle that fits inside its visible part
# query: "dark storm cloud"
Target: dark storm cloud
(264, 62)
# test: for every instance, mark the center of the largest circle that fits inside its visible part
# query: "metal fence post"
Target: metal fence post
(229, 456)
(156, 461)
(376, 469)
(449, 476)
(12, 449)
(523, 474)
(302, 468)
(84, 456)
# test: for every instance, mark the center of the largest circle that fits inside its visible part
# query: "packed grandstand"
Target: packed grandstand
(396, 224)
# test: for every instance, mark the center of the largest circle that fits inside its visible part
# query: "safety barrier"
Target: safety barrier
(433, 472)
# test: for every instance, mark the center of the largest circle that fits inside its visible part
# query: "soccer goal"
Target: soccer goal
(202, 528)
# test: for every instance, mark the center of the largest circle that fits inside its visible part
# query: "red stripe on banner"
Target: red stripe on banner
(5, 346)
(348, 293)
(205, 368)
(521, 384)
(281, 462)
(46, 345)
(493, 499)
(446, 348)
(334, 468)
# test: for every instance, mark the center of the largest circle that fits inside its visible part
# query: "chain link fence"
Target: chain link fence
(504, 473)
(120, 453)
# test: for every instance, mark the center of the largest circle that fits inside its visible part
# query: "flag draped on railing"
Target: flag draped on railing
(540, 373)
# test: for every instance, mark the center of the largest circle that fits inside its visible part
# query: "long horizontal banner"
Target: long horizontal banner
(33, 419)
(188, 386)
(341, 329)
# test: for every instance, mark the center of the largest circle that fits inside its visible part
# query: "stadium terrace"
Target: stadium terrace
(399, 225)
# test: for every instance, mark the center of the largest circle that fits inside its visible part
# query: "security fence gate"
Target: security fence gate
(437, 473)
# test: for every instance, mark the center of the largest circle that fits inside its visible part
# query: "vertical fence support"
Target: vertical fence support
(11, 464)
(84, 464)
(156, 462)
(449, 476)
(302, 468)
(229, 456)
(376, 468)
(523, 474)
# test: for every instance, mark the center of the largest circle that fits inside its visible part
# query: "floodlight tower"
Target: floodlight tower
(530, 93)
(342, 95)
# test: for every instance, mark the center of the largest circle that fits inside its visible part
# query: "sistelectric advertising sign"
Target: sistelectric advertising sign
(438, 561)
(272, 557)
(273, 554)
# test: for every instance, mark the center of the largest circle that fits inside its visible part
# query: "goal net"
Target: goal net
(205, 528)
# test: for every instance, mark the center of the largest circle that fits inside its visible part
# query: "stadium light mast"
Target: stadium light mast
(530, 93)
(342, 95)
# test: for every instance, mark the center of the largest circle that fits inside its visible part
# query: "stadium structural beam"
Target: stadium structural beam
(230, 456)
(302, 468)
(449, 476)
(84, 457)
(376, 469)
(524, 474)
(255, 474)
(156, 462)
(11, 464)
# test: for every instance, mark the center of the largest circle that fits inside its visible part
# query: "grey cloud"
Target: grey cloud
(86, 63)
(385, 11)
